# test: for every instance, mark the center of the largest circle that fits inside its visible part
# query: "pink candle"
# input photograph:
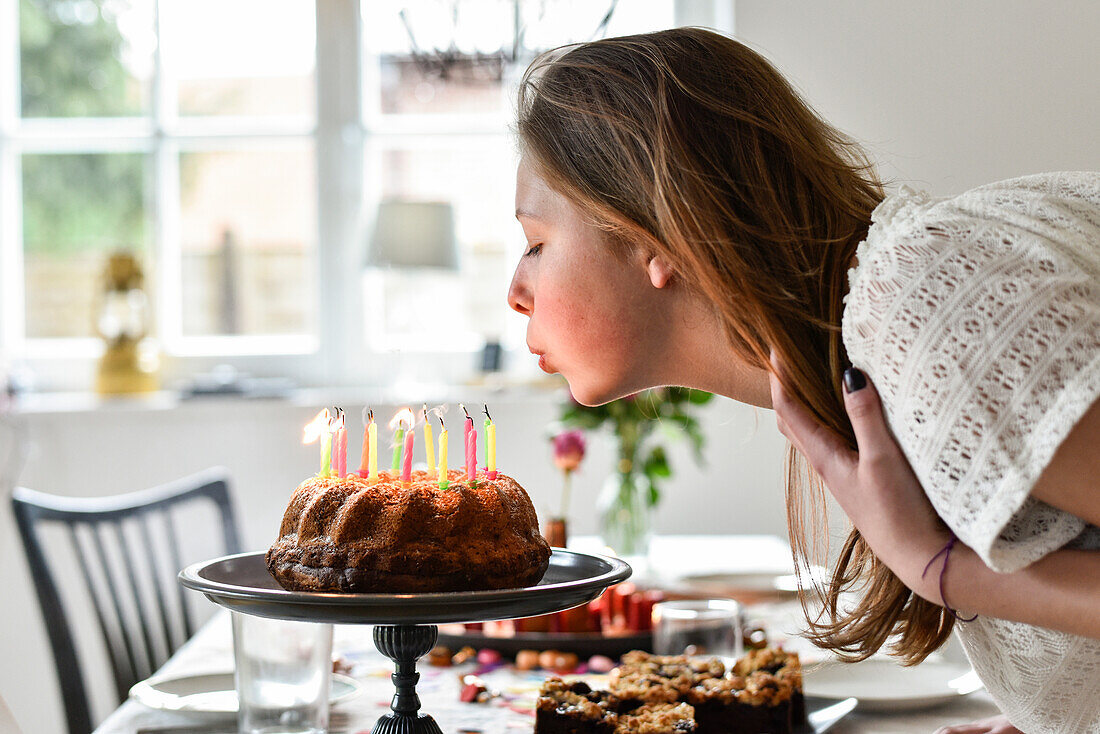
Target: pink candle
(471, 452)
(407, 464)
(340, 441)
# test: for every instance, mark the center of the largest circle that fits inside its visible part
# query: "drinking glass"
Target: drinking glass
(284, 670)
(698, 627)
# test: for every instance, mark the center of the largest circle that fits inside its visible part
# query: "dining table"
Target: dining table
(678, 563)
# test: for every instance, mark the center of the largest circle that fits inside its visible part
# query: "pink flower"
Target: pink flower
(568, 450)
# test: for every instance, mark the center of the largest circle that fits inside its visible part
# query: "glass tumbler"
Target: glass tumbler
(698, 627)
(284, 670)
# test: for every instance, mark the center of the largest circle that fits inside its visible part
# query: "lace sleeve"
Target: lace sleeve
(978, 318)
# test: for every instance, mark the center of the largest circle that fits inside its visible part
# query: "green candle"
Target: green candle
(398, 442)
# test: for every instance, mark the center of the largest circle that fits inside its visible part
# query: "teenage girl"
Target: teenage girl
(691, 221)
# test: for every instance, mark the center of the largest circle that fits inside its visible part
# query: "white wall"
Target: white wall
(947, 95)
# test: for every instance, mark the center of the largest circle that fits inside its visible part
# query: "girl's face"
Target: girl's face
(594, 314)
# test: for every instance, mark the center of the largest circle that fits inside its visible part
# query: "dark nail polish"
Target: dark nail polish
(854, 379)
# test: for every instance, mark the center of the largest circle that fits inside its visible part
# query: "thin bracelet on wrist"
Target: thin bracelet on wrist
(946, 553)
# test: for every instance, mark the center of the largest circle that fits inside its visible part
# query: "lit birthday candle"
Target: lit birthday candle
(364, 456)
(318, 428)
(443, 477)
(340, 445)
(429, 447)
(490, 445)
(407, 463)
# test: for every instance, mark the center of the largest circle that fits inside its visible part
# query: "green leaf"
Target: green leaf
(699, 397)
(656, 465)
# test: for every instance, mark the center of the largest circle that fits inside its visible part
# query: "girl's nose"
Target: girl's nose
(520, 297)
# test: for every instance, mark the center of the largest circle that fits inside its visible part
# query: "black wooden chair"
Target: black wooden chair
(138, 604)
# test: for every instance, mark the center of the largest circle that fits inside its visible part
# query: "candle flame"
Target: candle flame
(320, 423)
(404, 418)
(338, 422)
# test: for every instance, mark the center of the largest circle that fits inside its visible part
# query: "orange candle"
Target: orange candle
(364, 459)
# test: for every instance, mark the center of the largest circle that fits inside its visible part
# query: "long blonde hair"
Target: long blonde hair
(689, 144)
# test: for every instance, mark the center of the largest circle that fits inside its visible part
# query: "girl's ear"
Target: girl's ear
(659, 271)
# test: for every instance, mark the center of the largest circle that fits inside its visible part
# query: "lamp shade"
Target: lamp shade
(413, 234)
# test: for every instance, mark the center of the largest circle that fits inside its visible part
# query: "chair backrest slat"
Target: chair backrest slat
(131, 610)
(165, 628)
(174, 555)
(112, 593)
(148, 662)
(112, 634)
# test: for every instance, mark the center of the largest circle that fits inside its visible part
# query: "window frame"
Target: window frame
(69, 363)
(344, 133)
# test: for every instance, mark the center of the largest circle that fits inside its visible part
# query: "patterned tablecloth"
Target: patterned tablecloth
(675, 559)
(511, 711)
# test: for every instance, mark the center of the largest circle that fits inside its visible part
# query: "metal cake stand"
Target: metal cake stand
(405, 624)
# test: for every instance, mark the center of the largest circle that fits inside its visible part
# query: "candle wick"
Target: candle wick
(486, 409)
(465, 411)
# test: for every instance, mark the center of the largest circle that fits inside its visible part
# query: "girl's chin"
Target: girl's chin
(593, 395)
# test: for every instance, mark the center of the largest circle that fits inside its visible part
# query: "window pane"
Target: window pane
(414, 78)
(85, 58)
(249, 242)
(77, 209)
(245, 57)
(441, 57)
(549, 25)
(477, 178)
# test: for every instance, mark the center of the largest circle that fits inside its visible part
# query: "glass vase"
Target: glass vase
(626, 518)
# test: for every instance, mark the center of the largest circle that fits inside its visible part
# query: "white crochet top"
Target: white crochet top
(978, 319)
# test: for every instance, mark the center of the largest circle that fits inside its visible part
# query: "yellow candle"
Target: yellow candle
(372, 437)
(429, 447)
(491, 439)
(443, 477)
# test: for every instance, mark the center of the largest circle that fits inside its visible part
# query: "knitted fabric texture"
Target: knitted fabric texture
(978, 319)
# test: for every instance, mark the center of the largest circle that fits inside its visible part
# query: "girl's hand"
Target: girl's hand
(874, 485)
(992, 725)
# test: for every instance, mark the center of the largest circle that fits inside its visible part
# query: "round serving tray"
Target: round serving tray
(243, 584)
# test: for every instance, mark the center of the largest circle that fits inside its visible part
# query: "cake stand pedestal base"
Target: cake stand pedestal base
(403, 644)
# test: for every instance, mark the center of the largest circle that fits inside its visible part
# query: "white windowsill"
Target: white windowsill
(493, 388)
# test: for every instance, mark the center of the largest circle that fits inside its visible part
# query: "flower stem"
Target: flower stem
(565, 494)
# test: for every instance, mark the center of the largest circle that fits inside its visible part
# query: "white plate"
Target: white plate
(755, 581)
(215, 693)
(883, 685)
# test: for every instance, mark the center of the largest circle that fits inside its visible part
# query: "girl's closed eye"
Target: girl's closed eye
(533, 250)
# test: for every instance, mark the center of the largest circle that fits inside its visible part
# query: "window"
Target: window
(438, 104)
(245, 170)
(171, 130)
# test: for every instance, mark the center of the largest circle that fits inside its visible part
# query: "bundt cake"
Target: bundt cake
(348, 535)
